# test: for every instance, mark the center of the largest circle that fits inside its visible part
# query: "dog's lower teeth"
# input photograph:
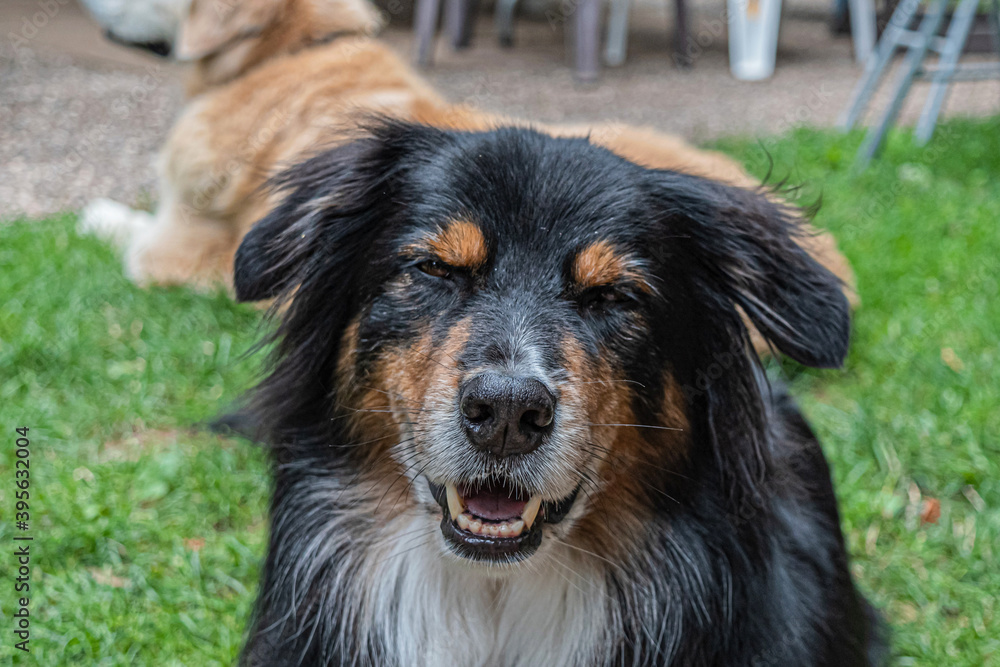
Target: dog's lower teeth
(473, 525)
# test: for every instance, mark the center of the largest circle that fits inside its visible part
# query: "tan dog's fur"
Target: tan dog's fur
(273, 82)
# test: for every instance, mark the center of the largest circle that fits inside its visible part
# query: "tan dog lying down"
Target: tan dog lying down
(274, 81)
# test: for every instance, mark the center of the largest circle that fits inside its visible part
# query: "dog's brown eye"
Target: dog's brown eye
(612, 296)
(434, 268)
(602, 297)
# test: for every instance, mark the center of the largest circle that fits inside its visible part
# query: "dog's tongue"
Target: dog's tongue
(492, 504)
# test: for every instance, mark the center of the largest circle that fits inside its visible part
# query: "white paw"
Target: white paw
(111, 221)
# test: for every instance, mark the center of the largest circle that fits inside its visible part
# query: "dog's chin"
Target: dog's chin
(496, 524)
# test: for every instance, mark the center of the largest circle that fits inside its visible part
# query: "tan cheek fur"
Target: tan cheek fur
(429, 376)
(622, 456)
(369, 407)
(397, 396)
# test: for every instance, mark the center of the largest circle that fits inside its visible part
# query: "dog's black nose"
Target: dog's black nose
(506, 415)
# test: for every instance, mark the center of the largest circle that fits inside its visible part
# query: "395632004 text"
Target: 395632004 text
(22, 540)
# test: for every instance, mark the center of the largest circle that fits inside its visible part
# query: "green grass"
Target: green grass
(149, 533)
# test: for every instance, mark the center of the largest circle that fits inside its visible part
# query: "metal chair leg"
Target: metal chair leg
(995, 24)
(503, 18)
(863, 28)
(617, 36)
(682, 38)
(874, 67)
(914, 57)
(958, 33)
(460, 17)
(425, 26)
(587, 28)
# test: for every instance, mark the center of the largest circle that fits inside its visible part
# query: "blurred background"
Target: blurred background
(59, 78)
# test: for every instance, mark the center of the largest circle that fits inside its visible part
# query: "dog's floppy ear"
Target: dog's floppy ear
(326, 216)
(211, 25)
(743, 244)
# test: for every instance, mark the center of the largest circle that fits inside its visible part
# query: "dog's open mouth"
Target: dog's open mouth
(498, 521)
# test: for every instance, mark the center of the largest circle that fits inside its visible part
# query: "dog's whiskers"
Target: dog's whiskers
(664, 428)
(595, 448)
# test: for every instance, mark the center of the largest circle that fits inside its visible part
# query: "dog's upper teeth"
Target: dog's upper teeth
(531, 510)
(455, 506)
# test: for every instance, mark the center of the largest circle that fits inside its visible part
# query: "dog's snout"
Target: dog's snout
(506, 415)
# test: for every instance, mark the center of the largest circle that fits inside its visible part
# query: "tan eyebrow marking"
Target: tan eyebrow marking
(460, 244)
(601, 264)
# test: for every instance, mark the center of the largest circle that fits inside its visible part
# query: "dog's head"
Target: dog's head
(228, 37)
(526, 339)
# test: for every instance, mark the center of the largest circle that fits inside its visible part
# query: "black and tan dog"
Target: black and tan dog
(518, 419)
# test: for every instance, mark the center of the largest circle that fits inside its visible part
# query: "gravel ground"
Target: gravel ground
(81, 119)
(70, 132)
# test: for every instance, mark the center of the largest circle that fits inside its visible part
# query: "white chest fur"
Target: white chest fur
(429, 609)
